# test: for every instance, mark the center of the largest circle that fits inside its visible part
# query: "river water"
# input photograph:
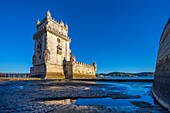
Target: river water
(111, 77)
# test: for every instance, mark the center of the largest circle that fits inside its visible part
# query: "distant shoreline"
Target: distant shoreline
(123, 74)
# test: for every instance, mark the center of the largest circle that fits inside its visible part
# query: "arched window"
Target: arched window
(58, 40)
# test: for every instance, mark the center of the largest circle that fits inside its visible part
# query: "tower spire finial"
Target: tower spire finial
(66, 27)
(48, 13)
(38, 22)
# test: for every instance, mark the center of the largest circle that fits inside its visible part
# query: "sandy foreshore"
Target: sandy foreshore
(34, 95)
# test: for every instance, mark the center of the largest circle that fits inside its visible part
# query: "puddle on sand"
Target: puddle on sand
(97, 101)
(91, 101)
(112, 102)
(102, 101)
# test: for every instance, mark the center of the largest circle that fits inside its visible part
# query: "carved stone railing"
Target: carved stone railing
(56, 32)
(51, 30)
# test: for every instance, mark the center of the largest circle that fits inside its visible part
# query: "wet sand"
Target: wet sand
(33, 95)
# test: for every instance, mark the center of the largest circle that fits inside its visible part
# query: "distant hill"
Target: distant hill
(123, 74)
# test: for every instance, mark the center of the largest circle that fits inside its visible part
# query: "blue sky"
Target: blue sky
(121, 35)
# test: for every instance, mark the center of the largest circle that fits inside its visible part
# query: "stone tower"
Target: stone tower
(52, 57)
(52, 46)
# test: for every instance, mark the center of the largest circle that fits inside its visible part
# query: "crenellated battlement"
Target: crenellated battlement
(81, 63)
(60, 23)
(49, 18)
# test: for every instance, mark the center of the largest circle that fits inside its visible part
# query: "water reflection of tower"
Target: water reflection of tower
(64, 101)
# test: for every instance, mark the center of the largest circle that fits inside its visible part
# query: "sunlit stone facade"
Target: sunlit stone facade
(52, 54)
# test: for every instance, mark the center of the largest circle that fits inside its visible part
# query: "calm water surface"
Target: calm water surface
(141, 89)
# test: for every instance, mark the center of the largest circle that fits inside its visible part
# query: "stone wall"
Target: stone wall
(161, 89)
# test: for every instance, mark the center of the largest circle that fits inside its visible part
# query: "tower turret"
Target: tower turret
(61, 23)
(38, 22)
(72, 58)
(48, 14)
(66, 27)
(95, 65)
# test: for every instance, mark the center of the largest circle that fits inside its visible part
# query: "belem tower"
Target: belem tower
(52, 57)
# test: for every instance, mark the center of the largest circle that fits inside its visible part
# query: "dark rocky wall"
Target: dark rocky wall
(161, 84)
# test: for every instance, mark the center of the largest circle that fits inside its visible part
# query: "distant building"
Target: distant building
(161, 84)
(52, 57)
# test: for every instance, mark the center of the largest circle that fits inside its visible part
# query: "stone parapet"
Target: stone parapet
(51, 30)
(57, 33)
(54, 21)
